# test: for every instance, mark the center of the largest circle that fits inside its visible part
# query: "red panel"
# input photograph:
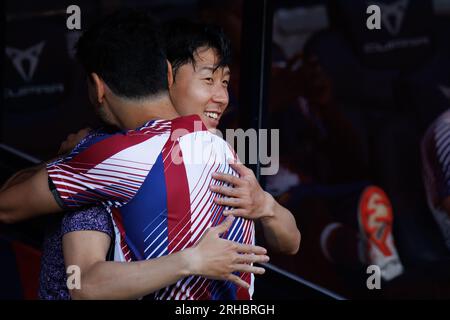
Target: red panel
(28, 262)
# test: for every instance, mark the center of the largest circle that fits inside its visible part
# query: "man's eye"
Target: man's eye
(209, 80)
(225, 82)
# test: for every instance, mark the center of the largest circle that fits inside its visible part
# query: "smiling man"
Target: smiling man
(201, 57)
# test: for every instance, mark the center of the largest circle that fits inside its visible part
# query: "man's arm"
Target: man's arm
(28, 198)
(280, 228)
(37, 185)
(250, 201)
(21, 176)
(212, 257)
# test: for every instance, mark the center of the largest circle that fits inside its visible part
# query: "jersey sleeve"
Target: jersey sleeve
(90, 219)
(104, 169)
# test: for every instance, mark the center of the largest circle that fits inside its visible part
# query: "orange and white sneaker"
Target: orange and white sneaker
(375, 221)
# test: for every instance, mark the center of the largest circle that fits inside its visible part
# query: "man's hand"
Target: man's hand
(72, 140)
(217, 258)
(247, 197)
(250, 201)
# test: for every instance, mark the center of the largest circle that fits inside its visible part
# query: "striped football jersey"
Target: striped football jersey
(155, 181)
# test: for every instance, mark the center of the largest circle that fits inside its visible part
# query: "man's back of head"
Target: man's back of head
(126, 51)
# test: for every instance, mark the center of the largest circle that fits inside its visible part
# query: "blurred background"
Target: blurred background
(352, 106)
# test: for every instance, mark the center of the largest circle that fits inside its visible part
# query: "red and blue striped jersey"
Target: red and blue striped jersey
(155, 183)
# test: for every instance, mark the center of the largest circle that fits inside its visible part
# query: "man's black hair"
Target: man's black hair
(183, 38)
(126, 50)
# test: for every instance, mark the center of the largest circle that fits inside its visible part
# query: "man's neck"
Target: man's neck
(132, 115)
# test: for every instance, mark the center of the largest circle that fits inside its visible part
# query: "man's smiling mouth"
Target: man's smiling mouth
(212, 115)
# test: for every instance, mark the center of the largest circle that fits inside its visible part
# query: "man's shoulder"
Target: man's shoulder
(206, 147)
(188, 124)
(127, 143)
(192, 128)
(114, 153)
(92, 138)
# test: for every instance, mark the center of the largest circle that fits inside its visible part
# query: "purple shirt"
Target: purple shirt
(53, 278)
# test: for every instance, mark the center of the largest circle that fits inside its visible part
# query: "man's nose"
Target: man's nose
(221, 95)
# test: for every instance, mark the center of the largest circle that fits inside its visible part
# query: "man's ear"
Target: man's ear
(170, 75)
(99, 87)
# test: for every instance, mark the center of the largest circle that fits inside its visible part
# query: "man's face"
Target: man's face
(201, 89)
